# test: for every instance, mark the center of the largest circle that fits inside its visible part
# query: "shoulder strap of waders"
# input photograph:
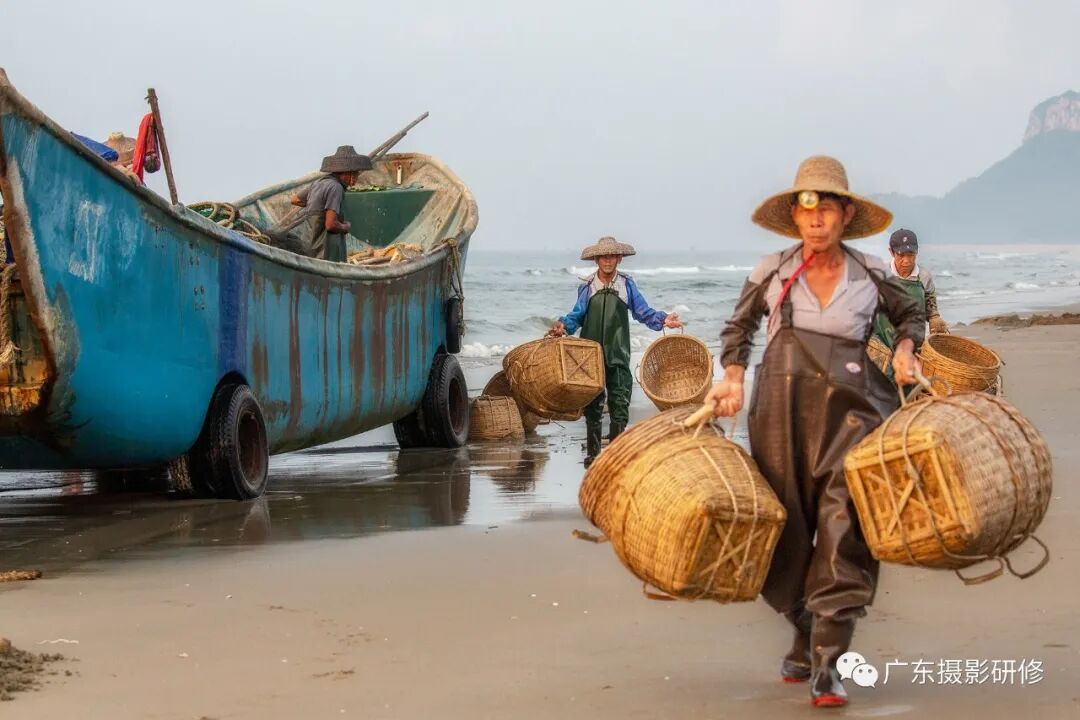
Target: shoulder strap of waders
(878, 282)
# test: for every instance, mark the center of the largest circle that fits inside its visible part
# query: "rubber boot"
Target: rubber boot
(829, 639)
(615, 431)
(593, 434)
(795, 667)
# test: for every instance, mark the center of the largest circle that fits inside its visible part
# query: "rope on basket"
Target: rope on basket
(700, 419)
(916, 477)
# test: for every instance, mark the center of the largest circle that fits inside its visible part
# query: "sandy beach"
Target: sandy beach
(302, 606)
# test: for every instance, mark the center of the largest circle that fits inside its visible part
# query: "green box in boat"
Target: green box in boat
(378, 217)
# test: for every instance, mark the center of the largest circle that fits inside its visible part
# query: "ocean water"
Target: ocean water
(514, 297)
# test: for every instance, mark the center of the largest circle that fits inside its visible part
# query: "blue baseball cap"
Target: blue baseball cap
(904, 241)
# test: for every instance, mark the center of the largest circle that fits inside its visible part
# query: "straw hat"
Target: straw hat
(123, 145)
(346, 159)
(607, 246)
(824, 175)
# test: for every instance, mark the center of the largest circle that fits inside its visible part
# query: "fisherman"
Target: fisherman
(319, 217)
(917, 281)
(601, 313)
(816, 395)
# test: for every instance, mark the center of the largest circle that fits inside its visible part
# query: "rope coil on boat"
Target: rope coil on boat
(457, 282)
(226, 216)
(8, 348)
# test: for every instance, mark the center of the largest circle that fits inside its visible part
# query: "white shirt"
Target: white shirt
(848, 313)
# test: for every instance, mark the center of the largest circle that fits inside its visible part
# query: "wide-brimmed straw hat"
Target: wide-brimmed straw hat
(123, 145)
(346, 159)
(824, 175)
(607, 246)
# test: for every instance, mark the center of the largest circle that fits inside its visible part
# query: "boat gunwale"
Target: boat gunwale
(187, 217)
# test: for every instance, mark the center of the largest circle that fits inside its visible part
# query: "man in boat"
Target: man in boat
(816, 395)
(319, 206)
(604, 302)
(916, 280)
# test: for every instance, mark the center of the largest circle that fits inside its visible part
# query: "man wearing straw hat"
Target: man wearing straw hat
(815, 396)
(320, 208)
(605, 301)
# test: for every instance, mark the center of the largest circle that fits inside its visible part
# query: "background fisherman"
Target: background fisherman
(916, 280)
(320, 215)
(816, 395)
(604, 302)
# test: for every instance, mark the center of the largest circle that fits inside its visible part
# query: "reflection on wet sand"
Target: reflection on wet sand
(56, 521)
(514, 468)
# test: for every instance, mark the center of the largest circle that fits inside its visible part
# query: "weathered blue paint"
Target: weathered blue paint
(234, 283)
(145, 308)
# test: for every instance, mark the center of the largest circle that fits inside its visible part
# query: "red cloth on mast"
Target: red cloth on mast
(145, 144)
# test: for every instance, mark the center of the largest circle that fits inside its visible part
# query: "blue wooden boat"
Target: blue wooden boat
(148, 336)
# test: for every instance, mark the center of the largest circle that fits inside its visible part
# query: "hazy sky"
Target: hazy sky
(662, 123)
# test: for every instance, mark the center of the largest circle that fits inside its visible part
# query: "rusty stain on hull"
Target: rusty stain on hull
(118, 353)
(296, 398)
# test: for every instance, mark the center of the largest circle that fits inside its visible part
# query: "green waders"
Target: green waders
(884, 330)
(607, 321)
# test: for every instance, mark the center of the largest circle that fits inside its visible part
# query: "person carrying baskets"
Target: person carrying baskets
(816, 394)
(605, 301)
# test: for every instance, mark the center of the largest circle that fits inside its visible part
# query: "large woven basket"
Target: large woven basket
(961, 362)
(686, 510)
(947, 482)
(556, 377)
(879, 353)
(499, 385)
(676, 370)
(494, 418)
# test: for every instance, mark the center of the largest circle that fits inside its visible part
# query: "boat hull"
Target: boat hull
(145, 309)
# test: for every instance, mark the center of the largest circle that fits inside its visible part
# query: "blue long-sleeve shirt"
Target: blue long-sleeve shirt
(628, 291)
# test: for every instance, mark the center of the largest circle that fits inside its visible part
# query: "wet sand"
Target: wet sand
(302, 605)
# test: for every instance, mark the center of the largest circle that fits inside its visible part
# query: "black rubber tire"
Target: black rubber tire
(455, 324)
(445, 406)
(232, 453)
(409, 431)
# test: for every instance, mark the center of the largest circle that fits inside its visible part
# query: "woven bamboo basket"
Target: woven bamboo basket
(494, 418)
(686, 509)
(499, 385)
(676, 370)
(949, 481)
(879, 353)
(961, 362)
(556, 378)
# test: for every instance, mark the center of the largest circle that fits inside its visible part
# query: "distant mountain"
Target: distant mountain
(1033, 195)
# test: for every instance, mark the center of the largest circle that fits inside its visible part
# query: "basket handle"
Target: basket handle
(589, 537)
(1041, 564)
(702, 415)
(661, 596)
(985, 577)
(923, 384)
